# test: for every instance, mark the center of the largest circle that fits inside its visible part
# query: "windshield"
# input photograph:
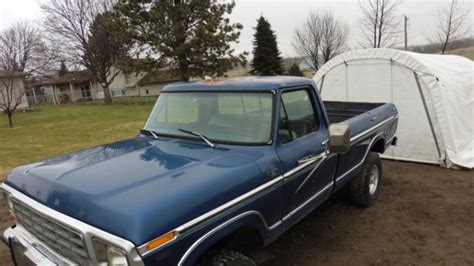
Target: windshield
(243, 117)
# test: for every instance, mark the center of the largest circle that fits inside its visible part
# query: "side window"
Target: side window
(297, 117)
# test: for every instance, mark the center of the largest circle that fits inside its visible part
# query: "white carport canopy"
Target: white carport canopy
(433, 94)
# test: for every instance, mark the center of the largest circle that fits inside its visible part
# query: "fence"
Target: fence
(119, 100)
(129, 100)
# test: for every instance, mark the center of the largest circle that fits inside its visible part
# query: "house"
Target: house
(71, 87)
(40, 91)
(14, 83)
(152, 83)
(79, 86)
(75, 86)
(125, 84)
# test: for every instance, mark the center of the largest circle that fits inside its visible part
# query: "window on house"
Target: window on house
(129, 80)
(147, 92)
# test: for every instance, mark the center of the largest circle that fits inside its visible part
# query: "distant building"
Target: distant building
(152, 83)
(125, 84)
(80, 86)
(18, 88)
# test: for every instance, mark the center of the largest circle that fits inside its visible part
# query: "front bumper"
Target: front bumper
(26, 250)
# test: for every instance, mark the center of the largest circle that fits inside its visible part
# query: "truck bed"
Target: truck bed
(341, 111)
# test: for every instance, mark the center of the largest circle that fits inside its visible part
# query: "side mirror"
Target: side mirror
(339, 138)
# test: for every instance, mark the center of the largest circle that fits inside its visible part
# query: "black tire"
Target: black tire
(363, 192)
(225, 258)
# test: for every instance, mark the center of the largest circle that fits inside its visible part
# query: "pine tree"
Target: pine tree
(295, 71)
(267, 60)
(193, 36)
(62, 69)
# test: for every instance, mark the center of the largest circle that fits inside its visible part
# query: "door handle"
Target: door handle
(311, 158)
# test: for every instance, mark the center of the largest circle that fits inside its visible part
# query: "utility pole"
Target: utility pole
(405, 19)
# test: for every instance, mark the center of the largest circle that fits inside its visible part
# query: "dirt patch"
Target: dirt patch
(424, 216)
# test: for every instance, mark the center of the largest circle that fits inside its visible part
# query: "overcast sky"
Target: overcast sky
(284, 17)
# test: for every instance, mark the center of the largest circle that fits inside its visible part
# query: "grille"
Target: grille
(61, 239)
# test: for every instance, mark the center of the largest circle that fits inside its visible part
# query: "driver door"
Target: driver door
(302, 136)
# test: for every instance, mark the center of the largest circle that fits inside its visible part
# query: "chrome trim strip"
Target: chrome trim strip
(183, 228)
(214, 230)
(390, 140)
(304, 165)
(365, 132)
(308, 201)
(363, 158)
(312, 158)
(321, 160)
(227, 205)
(297, 169)
(87, 230)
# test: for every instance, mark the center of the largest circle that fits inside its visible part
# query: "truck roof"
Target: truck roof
(252, 83)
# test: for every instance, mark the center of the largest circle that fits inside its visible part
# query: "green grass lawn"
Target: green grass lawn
(466, 52)
(53, 130)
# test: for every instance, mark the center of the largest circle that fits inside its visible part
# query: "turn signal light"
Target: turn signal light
(161, 240)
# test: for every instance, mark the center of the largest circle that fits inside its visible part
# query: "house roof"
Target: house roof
(160, 76)
(8, 74)
(72, 77)
(39, 81)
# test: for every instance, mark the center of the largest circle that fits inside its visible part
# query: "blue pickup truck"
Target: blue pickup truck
(220, 168)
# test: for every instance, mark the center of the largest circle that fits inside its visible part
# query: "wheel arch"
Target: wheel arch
(378, 144)
(250, 224)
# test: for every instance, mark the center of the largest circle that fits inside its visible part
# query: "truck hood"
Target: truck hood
(141, 187)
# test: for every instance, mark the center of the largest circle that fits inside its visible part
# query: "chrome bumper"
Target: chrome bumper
(26, 250)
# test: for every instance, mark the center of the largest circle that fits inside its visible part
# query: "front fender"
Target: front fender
(218, 231)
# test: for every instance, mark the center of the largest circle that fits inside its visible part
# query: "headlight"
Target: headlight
(108, 254)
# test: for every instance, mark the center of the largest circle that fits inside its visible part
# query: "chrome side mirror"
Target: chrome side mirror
(339, 138)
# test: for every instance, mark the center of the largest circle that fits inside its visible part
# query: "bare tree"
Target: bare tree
(320, 38)
(22, 51)
(452, 21)
(379, 23)
(96, 49)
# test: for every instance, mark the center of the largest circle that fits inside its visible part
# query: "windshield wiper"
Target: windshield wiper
(151, 132)
(212, 145)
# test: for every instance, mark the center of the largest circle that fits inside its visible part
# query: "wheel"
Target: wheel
(225, 258)
(365, 187)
